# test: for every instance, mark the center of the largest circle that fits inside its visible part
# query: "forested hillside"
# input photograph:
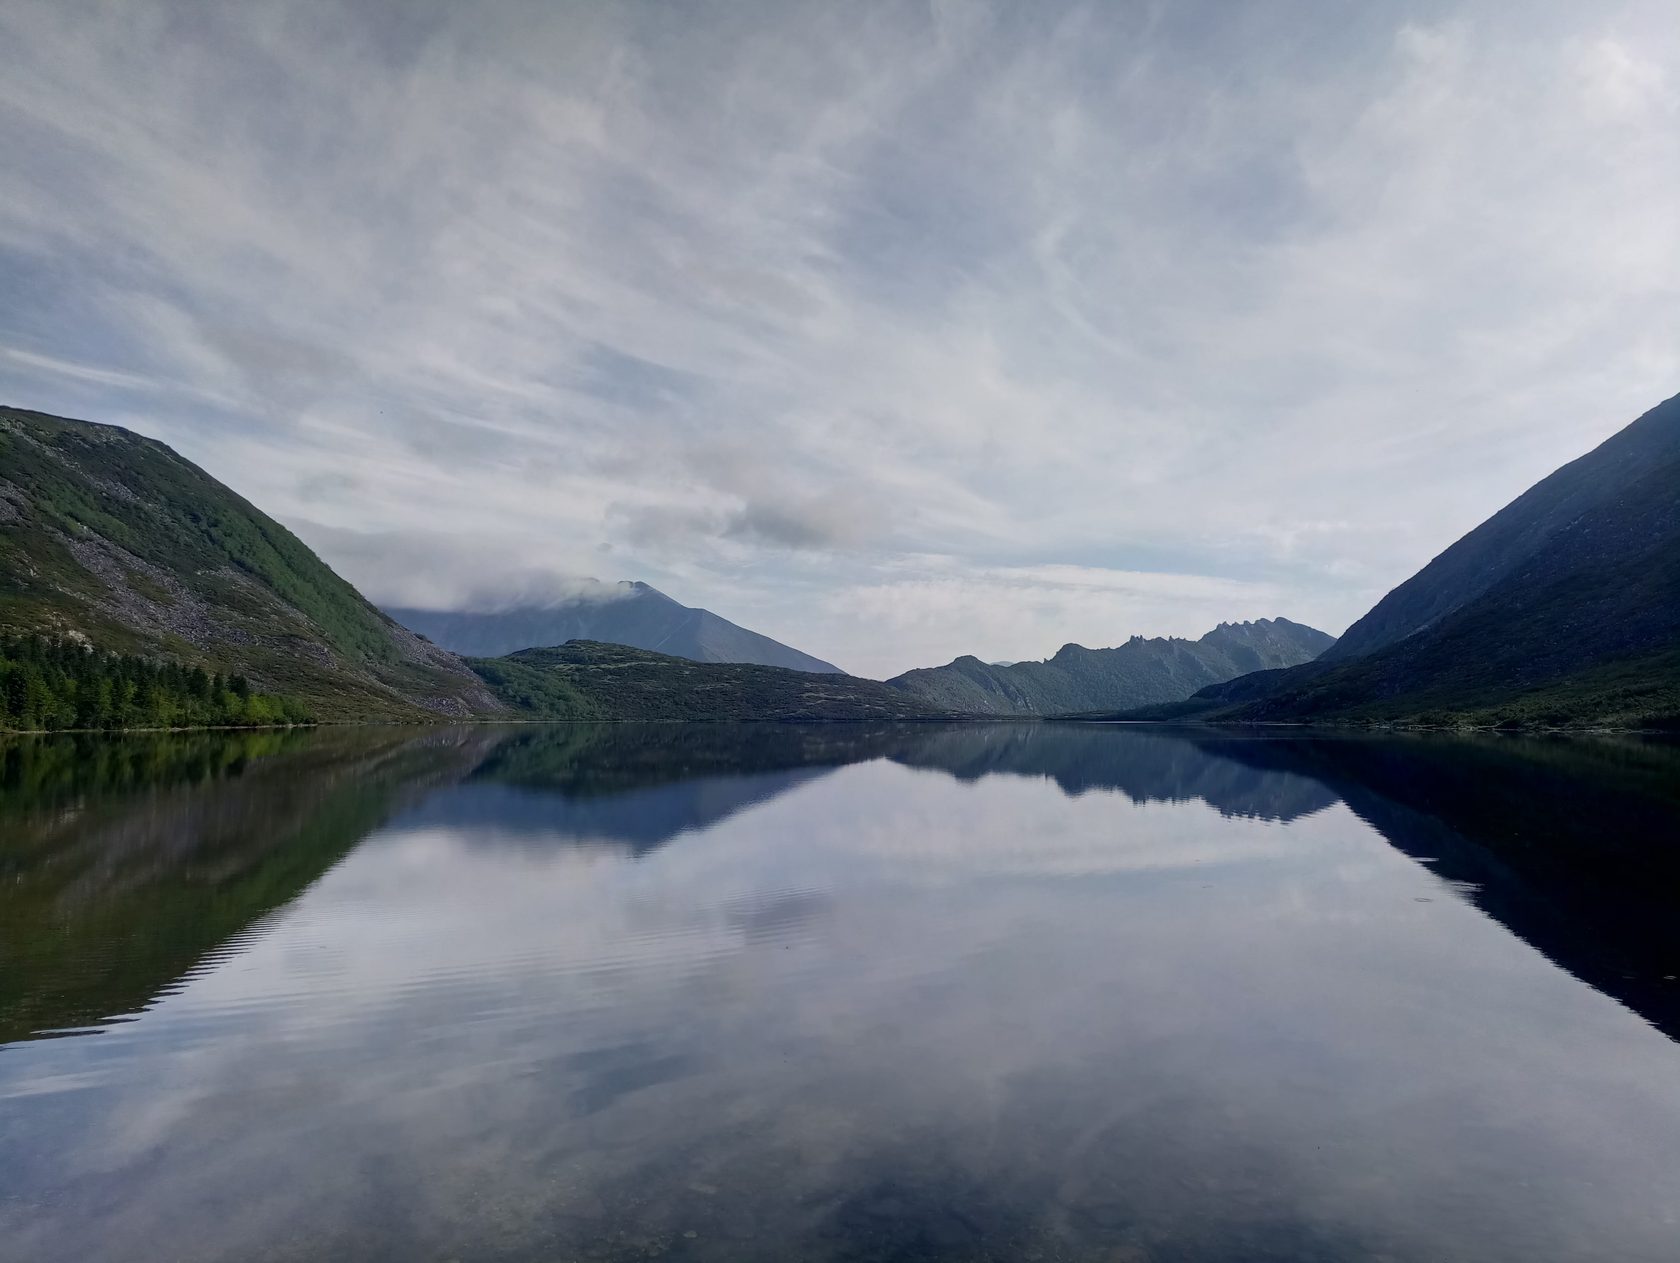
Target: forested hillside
(48, 684)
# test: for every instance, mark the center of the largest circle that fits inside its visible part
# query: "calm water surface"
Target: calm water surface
(839, 993)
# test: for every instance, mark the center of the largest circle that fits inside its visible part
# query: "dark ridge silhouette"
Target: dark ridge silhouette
(1561, 609)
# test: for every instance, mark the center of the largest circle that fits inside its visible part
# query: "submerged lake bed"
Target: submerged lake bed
(849, 992)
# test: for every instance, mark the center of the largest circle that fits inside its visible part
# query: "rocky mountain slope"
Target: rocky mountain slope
(586, 679)
(631, 614)
(115, 539)
(1140, 672)
(1564, 607)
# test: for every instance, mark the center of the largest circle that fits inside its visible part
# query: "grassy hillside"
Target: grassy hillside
(1137, 673)
(588, 680)
(111, 537)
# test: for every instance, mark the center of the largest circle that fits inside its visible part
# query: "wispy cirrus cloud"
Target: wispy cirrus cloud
(769, 304)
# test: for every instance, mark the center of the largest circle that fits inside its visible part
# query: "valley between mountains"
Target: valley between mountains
(137, 590)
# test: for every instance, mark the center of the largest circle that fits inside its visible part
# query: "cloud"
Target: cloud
(432, 570)
(769, 304)
(80, 372)
(818, 524)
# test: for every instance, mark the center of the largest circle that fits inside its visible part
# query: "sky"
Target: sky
(893, 331)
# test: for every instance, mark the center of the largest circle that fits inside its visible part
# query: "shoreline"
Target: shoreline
(1339, 729)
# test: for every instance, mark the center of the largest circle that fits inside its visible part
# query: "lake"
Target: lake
(843, 992)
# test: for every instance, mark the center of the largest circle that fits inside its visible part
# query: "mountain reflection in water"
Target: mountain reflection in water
(838, 992)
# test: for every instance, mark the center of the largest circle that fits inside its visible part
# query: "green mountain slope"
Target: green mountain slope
(112, 537)
(1138, 673)
(1564, 608)
(585, 679)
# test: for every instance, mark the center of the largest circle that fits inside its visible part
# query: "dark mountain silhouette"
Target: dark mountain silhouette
(631, 614)
(1584, 514)
(1564, 607)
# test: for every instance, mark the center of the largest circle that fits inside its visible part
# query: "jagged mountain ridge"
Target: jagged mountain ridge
(1141, 672)
(632, 614)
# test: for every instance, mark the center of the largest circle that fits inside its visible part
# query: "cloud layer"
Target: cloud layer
(895, 331)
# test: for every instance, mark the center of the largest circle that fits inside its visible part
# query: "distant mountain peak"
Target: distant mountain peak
(631, 613)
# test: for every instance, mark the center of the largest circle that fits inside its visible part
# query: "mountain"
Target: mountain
(585, 679)
(1562, 608)
(631, 614)
(1138, 673)
(1586, 515)
(113, 538)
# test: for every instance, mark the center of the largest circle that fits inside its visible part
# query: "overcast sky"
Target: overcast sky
(895, 331)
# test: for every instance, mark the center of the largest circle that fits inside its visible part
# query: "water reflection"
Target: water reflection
(841, 992)
(124, 861)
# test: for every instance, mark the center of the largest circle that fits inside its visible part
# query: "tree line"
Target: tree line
(52, 684)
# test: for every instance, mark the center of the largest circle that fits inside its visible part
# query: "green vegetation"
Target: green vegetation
(538, 690)
(112, 536)
(48, 684)
(177, 520)
(1562, 610)
(584, 679)
(1630, 693)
